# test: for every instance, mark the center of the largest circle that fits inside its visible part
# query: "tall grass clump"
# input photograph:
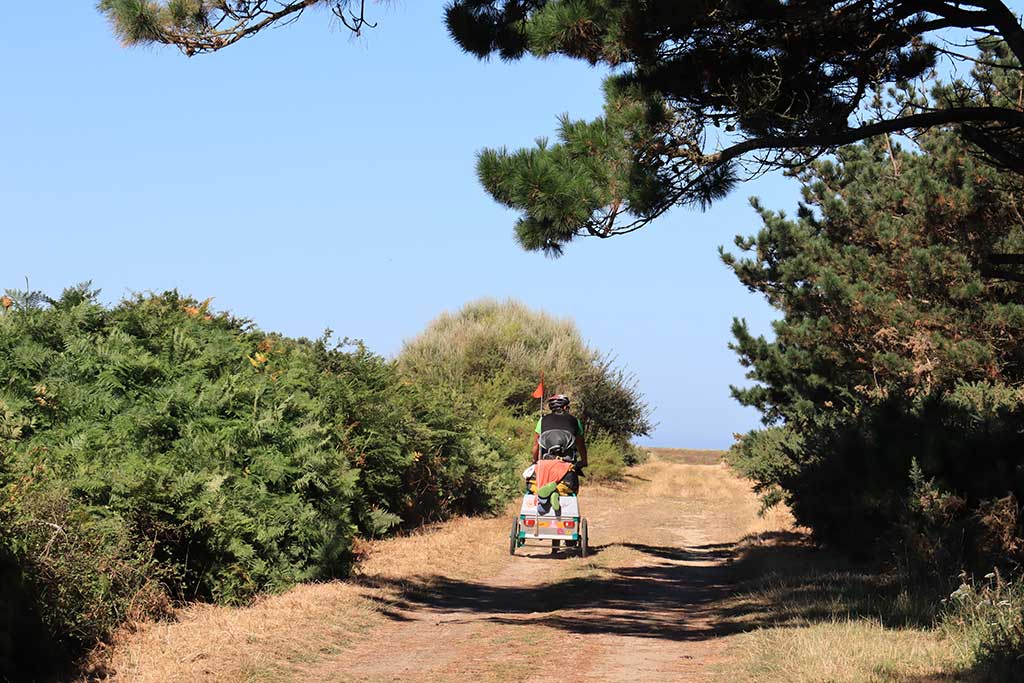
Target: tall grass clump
(489, 356)
(985, 619)
(157, 451)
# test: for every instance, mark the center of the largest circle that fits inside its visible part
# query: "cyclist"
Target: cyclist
(560, 429)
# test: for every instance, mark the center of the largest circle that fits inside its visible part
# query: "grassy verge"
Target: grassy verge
(810, 617)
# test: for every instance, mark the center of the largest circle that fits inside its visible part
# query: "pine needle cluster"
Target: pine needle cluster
(703, 94)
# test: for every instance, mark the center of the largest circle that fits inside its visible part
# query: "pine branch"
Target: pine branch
(143, 22)
(1005, 259)
(1009, 26)
(998, 274)
(816, 144)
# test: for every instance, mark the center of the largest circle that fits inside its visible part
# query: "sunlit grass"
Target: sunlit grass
(850, 651)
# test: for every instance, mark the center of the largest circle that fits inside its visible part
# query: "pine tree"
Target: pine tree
(892, 344)
(708, 93)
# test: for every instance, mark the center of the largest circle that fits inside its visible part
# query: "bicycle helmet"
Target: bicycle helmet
(558, 403)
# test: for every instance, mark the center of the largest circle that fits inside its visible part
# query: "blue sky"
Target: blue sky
(309, 180)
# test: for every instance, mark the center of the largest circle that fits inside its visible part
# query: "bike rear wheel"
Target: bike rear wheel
(513, 537)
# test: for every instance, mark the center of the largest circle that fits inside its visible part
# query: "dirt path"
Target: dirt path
(450, 604)
(643, 608)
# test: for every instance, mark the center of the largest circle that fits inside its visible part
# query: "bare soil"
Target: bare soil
(650, 604)
(644, 608)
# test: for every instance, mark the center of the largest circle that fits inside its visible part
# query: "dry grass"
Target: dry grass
(688, 456)
(815, 619)
(263, 642)
(813, 629)
(810, 618)
(715, 490)
(279, 636)
(856, 651)
(443, 548)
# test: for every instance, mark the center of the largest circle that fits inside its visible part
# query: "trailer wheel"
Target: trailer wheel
(513, 537)
(584, 540)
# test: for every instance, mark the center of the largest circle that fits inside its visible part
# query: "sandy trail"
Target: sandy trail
(645, 607)
(449, 604)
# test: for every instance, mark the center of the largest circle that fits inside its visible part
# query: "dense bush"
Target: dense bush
(157, 452)
(608, 458)
(491, 354)
(158, 449)
(893, 348)
(67, 577)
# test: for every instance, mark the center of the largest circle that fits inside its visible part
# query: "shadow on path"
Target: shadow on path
(662, 599)
(680, 593)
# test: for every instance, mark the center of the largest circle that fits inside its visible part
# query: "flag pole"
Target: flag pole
(539, 393)
(542, 390)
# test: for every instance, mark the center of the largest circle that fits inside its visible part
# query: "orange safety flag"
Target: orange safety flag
(539, 391)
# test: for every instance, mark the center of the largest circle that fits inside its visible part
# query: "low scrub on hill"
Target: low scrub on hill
(490, 354)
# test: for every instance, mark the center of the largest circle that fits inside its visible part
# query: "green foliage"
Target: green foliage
(490, 356)
(197, 26)
(592, 171)
(157, 448)
(698, 89)
(767, 457)
(607, 459)
(892, 348)
(68, 575)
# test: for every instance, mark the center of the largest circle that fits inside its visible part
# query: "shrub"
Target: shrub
(936, 475)
(768, 457)
(606, 458)
(71, 576)
(491, 355)
(157, 448)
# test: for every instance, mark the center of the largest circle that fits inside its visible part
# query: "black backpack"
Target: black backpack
(557, 443)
